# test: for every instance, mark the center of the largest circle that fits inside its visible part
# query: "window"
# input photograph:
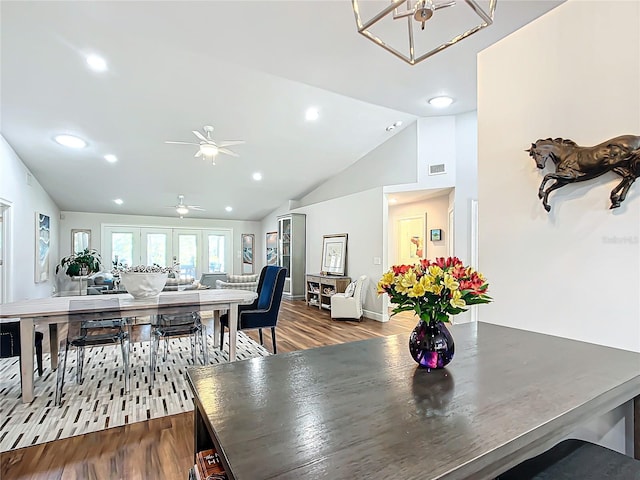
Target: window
(198, 251)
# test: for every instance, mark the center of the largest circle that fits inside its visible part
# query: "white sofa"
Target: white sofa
(347, 304)
(239, 282)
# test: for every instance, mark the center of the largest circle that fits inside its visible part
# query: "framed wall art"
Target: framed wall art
(411, 236)
(436, 235)
(334, 254)
(271, 247)
(43, 234)
(248, 242)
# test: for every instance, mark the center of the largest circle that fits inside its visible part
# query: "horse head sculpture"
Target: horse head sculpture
(576, 164)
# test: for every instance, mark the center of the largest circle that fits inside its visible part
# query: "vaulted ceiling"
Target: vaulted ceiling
(249, 68)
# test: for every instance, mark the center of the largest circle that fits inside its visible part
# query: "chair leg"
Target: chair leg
(39, 357)
(260, 334)
(194, 345)
(205, 346)
(221, 336)
(273, 338)
(61, 369)
(125, 362)
(155, 347)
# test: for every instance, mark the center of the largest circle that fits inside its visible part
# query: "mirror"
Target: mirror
(80, 239)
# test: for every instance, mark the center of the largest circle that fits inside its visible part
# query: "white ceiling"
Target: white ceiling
(249, 68)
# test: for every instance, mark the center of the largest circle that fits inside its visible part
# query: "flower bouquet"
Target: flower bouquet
(434, 290)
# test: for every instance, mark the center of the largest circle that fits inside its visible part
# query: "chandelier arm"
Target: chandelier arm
(380, 15)
(412, 52)
(480, 12)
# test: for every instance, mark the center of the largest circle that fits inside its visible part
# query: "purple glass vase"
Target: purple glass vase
(431, 344)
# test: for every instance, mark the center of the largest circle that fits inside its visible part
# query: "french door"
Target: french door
(197, 250)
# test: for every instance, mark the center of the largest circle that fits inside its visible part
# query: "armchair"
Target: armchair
(263, 312)
(349, 306)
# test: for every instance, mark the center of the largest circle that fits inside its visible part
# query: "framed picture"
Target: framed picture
(436, 235)
(43, 233)
(271, 246)
(410, 240)
(248, 241)
(334, 254)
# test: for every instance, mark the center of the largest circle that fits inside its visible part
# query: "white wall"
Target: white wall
(393, 162)
(360, 216)
(466, 182)
(573, 73)
(574, 272)
(25, 201)
(94, 221)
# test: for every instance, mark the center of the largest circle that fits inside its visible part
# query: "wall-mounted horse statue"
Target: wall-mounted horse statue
(577, 164)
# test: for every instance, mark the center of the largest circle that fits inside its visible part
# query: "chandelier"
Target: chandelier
(448, 24)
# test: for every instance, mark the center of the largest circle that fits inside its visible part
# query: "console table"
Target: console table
(364, 410)
(320, 288)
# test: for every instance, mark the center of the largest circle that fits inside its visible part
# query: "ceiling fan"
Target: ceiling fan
(210, 148)
(182, 209)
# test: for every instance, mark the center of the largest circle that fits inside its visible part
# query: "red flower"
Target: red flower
(401, 269)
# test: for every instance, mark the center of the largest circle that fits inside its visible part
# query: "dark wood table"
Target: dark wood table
(363, 409)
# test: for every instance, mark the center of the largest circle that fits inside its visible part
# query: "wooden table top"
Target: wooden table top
(55, 306)
(363, 409)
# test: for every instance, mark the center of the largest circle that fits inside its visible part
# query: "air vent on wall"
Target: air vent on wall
(437, 169)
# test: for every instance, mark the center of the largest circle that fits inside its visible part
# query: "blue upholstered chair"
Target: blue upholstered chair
(263, 312)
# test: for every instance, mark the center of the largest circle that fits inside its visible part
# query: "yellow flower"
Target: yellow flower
(416, 291)
(388, 278)
(435, 271)
(457, 301)
(381, 287)
(437, 288)
(427, 281)
(450, 282)
(409, 279)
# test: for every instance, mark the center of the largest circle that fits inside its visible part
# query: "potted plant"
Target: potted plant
(80, 263)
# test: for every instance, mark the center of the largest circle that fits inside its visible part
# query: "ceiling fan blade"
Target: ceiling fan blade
(199, 135)
(184, 143)
(228, 152)
(196, 207)
(228, 143)
(444, 5)
(198, 153)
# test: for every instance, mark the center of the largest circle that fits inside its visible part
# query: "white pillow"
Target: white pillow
(350, 290)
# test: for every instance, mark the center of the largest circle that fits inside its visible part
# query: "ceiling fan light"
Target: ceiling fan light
(182, 210)
(209, 150)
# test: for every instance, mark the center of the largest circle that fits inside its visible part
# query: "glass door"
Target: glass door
(157, 248)
(121, 245)
(218, 252)
(186, 248)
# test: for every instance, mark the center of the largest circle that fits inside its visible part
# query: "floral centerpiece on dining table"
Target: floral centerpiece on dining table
(434, 290)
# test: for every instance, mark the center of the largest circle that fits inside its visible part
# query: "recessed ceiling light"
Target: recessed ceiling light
(96, 63)
(118, 201)
(228, 209)
(312, 114)
(111, 158)
(441, 102)
(393, 125)
(70, 141)
(257, 176)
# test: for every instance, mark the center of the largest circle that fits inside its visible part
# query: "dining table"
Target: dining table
(56, 310)
(366, 410)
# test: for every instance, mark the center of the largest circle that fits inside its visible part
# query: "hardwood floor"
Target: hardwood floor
(163, 448)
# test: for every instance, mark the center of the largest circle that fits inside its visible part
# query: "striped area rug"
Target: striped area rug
(100, 401)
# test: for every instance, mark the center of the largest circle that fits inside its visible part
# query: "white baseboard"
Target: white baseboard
(374, 316)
